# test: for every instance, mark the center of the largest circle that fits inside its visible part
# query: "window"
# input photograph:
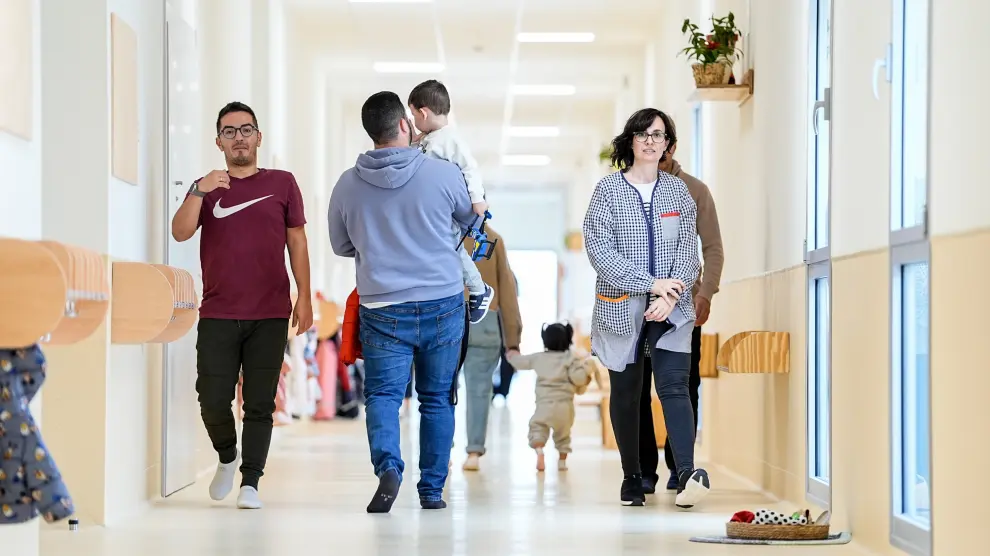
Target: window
(817, 256)
(698, 141)
(910, 285)
(819, 150)
(819, 378)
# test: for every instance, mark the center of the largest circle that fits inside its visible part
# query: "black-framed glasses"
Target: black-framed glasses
(230, 132)
(658, 136)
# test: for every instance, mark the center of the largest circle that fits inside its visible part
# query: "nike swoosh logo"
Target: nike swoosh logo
(221, 212)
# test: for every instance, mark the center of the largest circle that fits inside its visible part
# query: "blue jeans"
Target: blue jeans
(427, 334)
(484, 350)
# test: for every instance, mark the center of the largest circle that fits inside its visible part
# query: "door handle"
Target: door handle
(886, 64)
(825, 106)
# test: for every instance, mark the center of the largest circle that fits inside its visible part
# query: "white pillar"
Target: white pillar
(260, 72)
(225, 30)
(650, 75)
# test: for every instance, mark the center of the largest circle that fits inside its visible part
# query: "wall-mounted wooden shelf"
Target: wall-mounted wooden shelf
(185, 304)
(143, 303)
(755, 352)
(330, 319)
(50, 292)
(709, 354)
(725, 93)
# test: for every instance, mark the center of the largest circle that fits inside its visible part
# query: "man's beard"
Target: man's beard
(243, 160)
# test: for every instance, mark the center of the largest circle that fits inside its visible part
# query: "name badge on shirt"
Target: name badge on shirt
(670, 223)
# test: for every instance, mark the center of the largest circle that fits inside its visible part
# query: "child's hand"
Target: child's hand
(480, 208)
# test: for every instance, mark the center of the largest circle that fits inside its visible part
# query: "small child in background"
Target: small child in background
(430, 106)
(560, 374)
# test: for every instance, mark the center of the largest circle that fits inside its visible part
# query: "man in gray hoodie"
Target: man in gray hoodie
(392, 214)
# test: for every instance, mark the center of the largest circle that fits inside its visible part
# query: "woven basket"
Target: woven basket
(711, 75)
(752, 531)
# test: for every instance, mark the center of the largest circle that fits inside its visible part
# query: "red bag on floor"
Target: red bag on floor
(350, 330)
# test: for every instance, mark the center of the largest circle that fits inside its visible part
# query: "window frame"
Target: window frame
(911, 245)
(817, 490)
(818, 260)
(813, 252)
(698, 140)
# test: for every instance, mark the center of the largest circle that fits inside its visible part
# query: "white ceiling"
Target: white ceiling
(475, 40)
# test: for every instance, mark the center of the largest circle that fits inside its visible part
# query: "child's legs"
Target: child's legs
(472, 278)
(539, 428)
(563, 420)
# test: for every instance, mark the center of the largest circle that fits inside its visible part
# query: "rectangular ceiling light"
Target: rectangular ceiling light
(391, 1)
(534, 131)
(408, 67)
(525, 160)
(544, 90)
(555, 37)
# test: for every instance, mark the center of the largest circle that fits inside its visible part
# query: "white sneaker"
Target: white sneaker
(692, 489)
(248, 499)
(223, 479)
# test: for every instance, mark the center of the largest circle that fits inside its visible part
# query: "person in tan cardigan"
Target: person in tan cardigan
(704, 289)
(502, 326)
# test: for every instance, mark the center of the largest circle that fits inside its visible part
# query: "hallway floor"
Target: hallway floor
(319, 481)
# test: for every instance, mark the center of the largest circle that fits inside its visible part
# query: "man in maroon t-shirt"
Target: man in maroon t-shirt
(249, 216)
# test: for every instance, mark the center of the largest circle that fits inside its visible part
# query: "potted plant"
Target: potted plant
(605, 156)
(713, 53)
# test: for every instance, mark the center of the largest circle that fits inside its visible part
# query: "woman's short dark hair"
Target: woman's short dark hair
(558, 337)
(641, 120)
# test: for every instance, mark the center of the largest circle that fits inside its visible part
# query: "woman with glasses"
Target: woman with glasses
(641, 238)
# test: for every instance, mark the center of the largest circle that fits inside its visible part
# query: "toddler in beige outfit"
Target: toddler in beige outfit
(560, 374)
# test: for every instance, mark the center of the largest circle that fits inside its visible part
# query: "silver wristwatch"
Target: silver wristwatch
(194, 190)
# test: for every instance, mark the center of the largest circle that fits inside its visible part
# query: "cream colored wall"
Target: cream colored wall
(111, 460)
(961, 226)
(20, 186)
(758, 173)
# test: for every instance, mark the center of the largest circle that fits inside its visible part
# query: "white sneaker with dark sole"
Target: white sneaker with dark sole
(693, 488)
(479, 304)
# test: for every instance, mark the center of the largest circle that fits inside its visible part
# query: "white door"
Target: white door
(180, 418)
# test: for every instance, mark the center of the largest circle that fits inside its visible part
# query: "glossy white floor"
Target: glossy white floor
(319, 480)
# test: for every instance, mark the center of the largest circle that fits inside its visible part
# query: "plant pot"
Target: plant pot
(711, 75)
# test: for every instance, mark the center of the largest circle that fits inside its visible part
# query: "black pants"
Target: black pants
(224, 349)
(505, 373)
(671, 370)
(649, 458)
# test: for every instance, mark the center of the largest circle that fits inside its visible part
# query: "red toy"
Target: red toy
(350, 331)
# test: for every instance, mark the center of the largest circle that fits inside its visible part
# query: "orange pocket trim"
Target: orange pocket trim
(610, 299)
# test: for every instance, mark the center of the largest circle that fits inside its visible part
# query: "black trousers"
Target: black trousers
(505, 373)
(224, 349)
(649, 457)
(671, 371)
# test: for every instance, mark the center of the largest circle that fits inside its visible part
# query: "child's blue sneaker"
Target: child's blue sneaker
(480, 303)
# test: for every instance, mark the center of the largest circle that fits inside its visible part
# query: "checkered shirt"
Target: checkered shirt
(617, 239)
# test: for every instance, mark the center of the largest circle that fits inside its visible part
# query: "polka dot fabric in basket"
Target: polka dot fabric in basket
(770, 517)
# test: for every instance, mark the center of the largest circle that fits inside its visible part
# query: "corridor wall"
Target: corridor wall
(756, 164)
(20, 187)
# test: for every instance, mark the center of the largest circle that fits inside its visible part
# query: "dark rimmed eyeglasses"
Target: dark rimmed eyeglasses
(658, 136)
(230, 132)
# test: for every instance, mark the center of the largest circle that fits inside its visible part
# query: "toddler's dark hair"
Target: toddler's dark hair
(558, 337)
(431, 94)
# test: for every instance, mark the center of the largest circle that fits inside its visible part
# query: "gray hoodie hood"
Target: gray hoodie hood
(389, 168)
